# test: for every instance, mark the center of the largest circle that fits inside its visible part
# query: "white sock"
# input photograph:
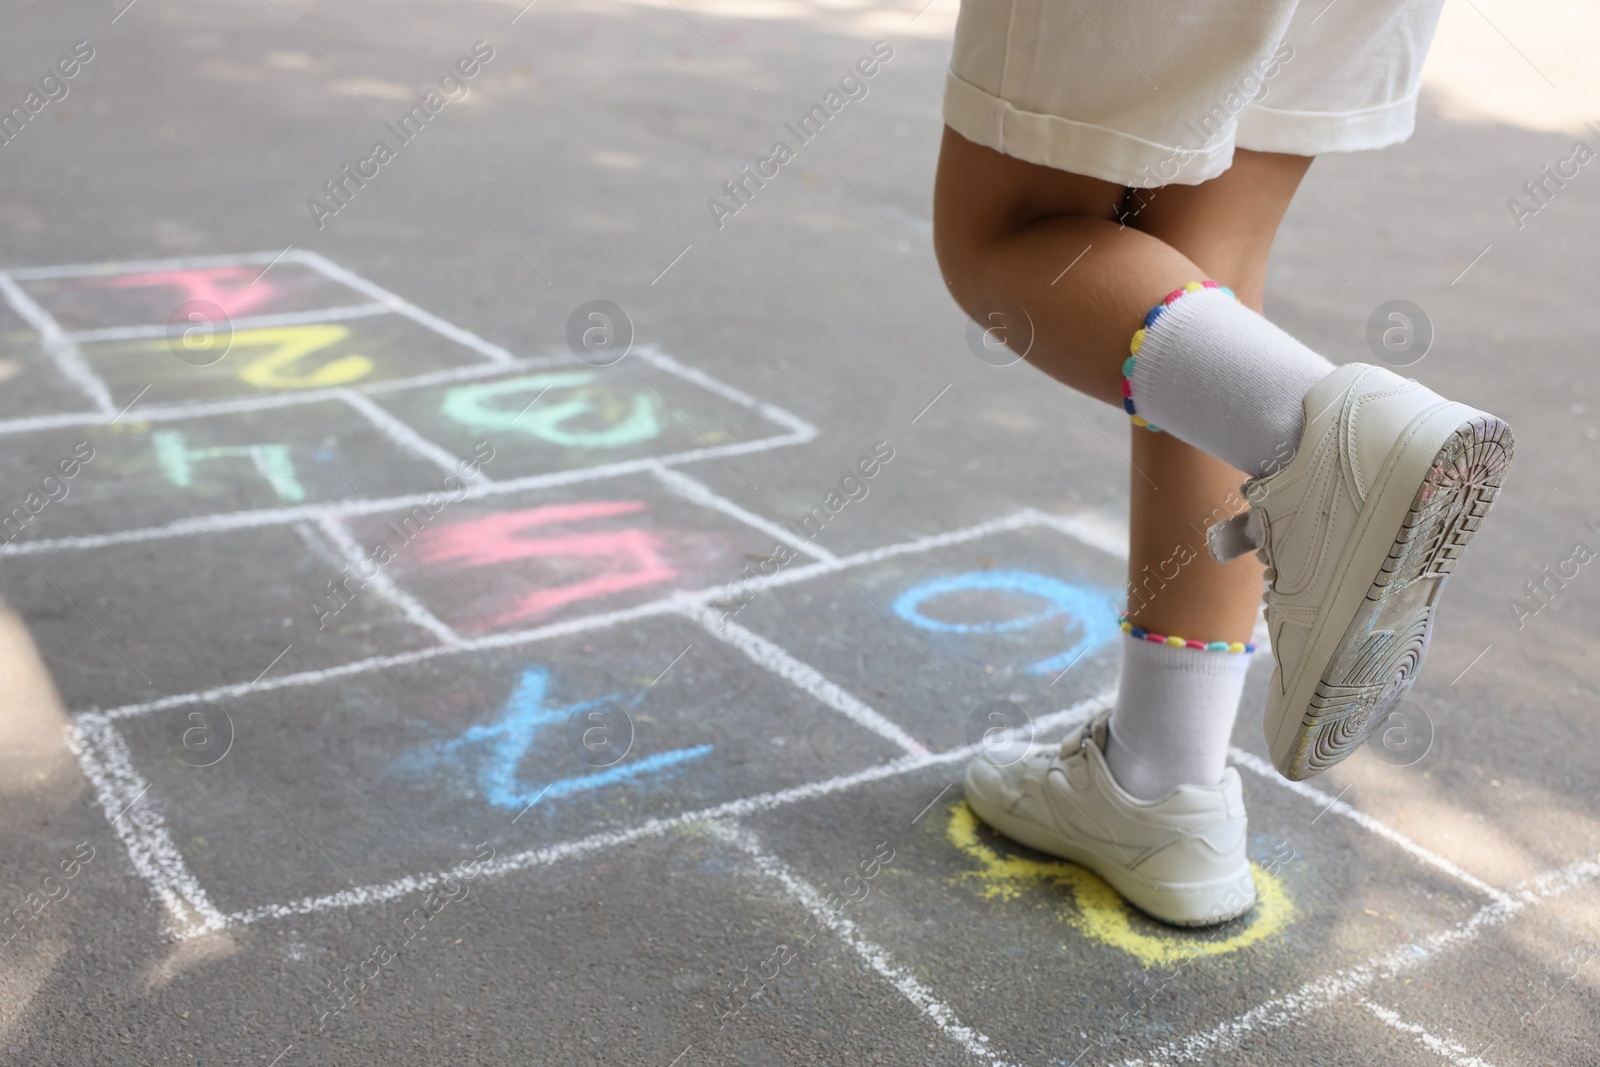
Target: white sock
(1174, 717)
(1218, 376)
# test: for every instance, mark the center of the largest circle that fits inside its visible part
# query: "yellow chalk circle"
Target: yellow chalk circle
(1100, 911)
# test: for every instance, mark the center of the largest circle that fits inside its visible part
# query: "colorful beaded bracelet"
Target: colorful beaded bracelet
(1140, 634)
(1138, 339)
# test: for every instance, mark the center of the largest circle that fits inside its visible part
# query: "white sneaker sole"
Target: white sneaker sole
(1178, 904)
(1369, 642)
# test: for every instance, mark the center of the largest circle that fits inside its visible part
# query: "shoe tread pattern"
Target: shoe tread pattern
(1376, 661)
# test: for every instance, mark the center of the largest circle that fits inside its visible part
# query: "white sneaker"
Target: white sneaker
(1180, 858)
(1359, 533)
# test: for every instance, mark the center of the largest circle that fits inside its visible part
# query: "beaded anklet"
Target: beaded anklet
(1138, 339)
(1140, 634)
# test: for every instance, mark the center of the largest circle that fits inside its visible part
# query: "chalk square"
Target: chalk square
(193, 612)
(1126, 982)
(573, 417)
(521, 748)
(530, 558)
(251, 362)
(957, 640)
(120, 297)
(146, 474)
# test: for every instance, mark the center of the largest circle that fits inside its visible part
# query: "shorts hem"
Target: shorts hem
(1312, 133)
(1124, 159)
(1077, 147)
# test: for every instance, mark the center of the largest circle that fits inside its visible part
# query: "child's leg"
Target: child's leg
(1005, 230)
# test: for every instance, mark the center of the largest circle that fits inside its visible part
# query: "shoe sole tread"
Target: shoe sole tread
(1375, 662)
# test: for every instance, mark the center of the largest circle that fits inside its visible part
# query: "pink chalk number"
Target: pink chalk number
(624, 559)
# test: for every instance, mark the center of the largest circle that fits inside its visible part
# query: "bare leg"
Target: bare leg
(1006, 230)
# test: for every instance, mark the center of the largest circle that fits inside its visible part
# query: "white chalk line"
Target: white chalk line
(1448, 1049)
(117, 266)
(673, 603)
(68, 360)
(874, 956)
(915, 546)
(1321, 992)
(802, 676)
(402, 306)
(33, 423)
(548, 854)
(381, 584)
(1367, 822)
(699, 493)
(410, 440)
(338, 313)
(654, 827)
(107, 764)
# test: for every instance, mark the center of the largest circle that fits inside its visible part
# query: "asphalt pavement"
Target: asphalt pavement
(490, 578)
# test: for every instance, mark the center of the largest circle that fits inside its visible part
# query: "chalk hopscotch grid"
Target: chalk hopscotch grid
(695, 605)
(103, 754)
(692, 605)
(107, 763)
(70, 364)
(382, 301)
(1093, 530)
(182, 894)
(121, 790)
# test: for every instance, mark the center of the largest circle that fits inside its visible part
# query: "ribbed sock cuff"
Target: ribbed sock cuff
(1218, 376)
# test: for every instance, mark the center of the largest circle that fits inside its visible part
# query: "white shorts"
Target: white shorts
(1156, 92)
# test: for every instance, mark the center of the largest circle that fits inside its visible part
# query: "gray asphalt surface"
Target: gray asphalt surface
(515, 802)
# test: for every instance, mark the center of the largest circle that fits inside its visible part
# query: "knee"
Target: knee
(967, 205)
